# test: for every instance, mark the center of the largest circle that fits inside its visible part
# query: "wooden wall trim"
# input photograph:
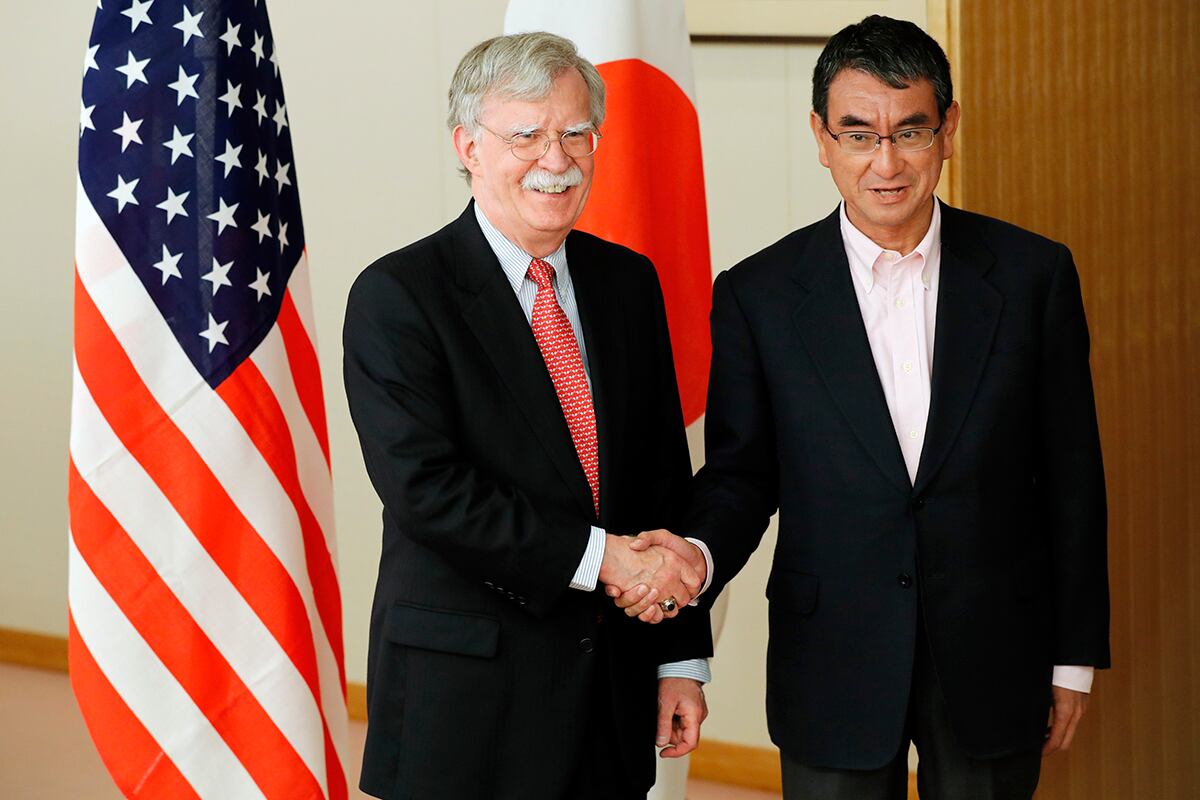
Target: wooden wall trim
(33, 649)
(716, 761)
(943, 25)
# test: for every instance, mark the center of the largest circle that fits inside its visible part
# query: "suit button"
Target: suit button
(599, 619)
(920, 502)
(587, 645)
(904, 579)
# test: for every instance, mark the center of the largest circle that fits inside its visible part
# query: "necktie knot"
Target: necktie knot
(541, 273)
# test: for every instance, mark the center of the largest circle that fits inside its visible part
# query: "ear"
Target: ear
(823, 140)
(465, 146)
(949, 128)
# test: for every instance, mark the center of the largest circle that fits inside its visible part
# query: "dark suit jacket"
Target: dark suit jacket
(1002, 537)
(483, 663)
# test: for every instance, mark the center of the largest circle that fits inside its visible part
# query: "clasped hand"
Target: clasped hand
(640, 572)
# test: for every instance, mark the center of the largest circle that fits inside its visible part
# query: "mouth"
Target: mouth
(558, 188)
(889, 192)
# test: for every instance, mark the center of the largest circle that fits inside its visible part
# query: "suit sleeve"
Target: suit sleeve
(689, 635)
(736, 492)
(1071, 477)
(402, 403)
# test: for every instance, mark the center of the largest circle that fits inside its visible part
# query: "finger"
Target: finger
(652, 615)
(632, 597)
(646, 601)
(612, 590)
(1058, 729)
(689, 734)
(666, 711)
(689, 578)
(639, 544)
(1072, 725)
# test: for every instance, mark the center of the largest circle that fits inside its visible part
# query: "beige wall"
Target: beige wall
(366, 94)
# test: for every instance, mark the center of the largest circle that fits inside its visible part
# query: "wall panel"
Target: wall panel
(1078, 121)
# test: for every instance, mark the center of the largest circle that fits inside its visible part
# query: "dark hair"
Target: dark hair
(895, 51)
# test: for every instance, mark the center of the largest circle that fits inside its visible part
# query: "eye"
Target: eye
(859, 138)
(524, 136)
(908, 135)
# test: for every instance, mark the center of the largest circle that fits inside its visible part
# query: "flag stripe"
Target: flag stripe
(193, 490)
(250, 399)
(151, 692)
(136, 762)
(184, 649)
(300, 288)
(271, 360)
(302, 357)
(131, 497)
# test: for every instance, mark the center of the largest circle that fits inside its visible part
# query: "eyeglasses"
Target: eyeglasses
(908, 140)
(532, 145)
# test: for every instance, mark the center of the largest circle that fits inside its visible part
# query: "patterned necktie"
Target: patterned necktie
(560, 351)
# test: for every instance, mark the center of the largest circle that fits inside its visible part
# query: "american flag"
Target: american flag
(205, 618)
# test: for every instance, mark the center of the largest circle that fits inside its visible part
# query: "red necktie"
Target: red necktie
(560, 351)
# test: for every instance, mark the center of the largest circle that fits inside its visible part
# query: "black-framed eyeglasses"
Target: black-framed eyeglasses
(532, 145)
(908, 140)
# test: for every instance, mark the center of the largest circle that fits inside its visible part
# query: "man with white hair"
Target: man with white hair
(512, 385)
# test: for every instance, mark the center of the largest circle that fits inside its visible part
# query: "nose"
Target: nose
(887, 162)
(555, 158)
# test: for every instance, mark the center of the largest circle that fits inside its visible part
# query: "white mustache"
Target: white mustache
(543, 180)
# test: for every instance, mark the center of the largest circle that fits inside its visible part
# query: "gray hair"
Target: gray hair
(521, 66)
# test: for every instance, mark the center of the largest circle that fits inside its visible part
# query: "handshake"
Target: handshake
(653, 575)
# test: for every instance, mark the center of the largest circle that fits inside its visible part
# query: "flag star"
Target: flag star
(89, 61)
(260, 168)
(262, 227)
(178, 144)
(280, 118)
(215, 334)
(138, 12)
(168, 265)
(260, 107)
(230, 157)
(85, 120)
(219, 276)
(275, 60)
(230, 98)
(230, 36)
(128, 131)
(173, 205)
(260, 283)
(134, 70)
(123, 194)
(281, 175)
(184, 86)
(282, 235)
(190, 25)
(257, 49)
(223, 216)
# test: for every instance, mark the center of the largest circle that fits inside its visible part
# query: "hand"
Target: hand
(644, 574)
(1069, 708)
(681, 711)
(643, 606)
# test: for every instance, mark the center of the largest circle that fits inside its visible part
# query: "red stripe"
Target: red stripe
(154, 440)
(136, 762)
(306, 372)
(251, 400)
(184, 649)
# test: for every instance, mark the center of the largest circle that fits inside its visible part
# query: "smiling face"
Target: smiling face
(888, 193)
(534, 214)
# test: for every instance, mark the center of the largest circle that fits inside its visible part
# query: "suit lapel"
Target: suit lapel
(830, 324)
(494, 315)
(602, 317)
(968, 308)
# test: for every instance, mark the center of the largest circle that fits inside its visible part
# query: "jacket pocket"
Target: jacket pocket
(443, 630)
(794, 591)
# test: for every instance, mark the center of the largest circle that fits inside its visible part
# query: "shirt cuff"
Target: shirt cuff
(1076, 678)
(695, 668)
(588, 571)
(708, 576)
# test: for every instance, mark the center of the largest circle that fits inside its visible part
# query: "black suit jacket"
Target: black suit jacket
(1000, 543)
(483, 663)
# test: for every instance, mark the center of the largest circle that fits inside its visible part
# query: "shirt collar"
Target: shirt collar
(515, 261)
(862, 253)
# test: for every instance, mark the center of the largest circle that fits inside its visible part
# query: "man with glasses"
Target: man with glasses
(513, 389)
(908, 385)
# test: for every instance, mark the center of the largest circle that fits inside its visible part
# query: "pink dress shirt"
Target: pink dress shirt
(897, 294)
